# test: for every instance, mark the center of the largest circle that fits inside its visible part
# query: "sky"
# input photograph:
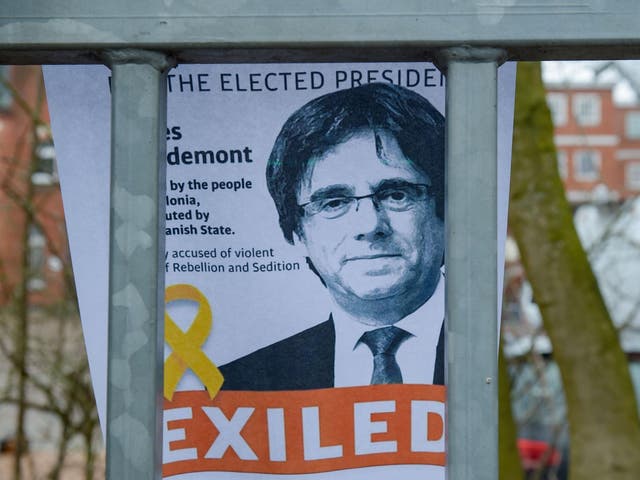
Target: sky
(584, 72)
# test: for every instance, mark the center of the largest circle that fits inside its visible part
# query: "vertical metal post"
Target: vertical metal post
(136, 283)
(471, 287)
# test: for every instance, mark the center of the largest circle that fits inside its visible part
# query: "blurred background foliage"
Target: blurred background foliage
(48, 420)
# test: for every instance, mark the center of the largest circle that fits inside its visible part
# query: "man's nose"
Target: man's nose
(370, 221)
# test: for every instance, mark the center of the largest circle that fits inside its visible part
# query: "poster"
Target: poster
(303, 264)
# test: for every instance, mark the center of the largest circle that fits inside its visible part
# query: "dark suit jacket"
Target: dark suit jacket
(301, 362)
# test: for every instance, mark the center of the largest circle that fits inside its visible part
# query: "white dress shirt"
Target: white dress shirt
(416, 355)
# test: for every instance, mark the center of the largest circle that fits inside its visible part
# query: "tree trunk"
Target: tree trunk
(22, 300)
(21, 346)
(509, 461)
(603, 419)
(89, 465)
(63, 445)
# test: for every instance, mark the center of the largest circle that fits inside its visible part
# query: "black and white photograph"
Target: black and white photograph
(357, 178)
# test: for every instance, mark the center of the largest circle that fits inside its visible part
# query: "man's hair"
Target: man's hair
(327, 121)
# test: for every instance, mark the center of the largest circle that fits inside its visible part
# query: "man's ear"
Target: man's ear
(299, 243)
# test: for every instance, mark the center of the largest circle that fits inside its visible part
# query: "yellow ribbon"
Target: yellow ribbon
(185, 346)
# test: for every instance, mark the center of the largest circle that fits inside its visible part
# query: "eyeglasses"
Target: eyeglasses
(395, 198)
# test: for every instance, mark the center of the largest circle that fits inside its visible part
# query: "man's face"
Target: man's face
(371, 252)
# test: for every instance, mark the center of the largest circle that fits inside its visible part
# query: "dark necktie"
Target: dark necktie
(383, 343)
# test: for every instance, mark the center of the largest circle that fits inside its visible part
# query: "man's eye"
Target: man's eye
(394, 195)
(331, 204)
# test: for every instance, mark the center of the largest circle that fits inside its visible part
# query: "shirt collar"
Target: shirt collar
(349, 332)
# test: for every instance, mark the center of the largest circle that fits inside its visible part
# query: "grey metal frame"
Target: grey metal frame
(471, 290)
(469, 38)
(136, 253)
(72, 31)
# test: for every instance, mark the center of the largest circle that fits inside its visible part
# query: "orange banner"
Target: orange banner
(304, 431)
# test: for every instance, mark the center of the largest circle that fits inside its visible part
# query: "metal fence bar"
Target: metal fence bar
(136, 283)
(471, 287)
(42, 31)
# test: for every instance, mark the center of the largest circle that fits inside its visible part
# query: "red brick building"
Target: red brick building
(33, 244)
(598, 143)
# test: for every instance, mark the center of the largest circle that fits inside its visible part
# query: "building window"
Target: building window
(587, 109)
(558, 105)
(632, 125)
(45, 172)
(586, 164)
(563, 164)
(632, 176)
(36, 243)
(6, 98)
